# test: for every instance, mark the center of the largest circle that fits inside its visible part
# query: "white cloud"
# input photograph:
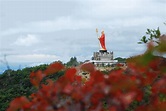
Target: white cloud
(58, 24)
(32, 58)
(135, 22)
(63, 23)
(35, 64)
(27, 60)
(27, 40)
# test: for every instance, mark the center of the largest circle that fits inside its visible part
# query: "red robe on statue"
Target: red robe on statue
(102, 42)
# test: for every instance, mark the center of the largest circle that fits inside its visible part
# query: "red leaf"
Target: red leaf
(97, 76)
(96, 98)
(89, 67)
(159, 86)
(70, 74)
(162, 106)
(78, 79)
(141, 108)
(77, 96)
(119, 65)
(149, 78)
(68, 89)
(113, 108)
(127, 98)
(87, 87)
(133, 78)
(139, 96)
(18, 103)
(54, 68)
(154, 64)
(36, 78)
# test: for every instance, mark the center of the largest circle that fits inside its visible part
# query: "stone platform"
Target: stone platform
(103, 58)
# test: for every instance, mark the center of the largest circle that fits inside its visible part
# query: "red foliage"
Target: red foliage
(36, 78)
(19, 103)
(88, 67)
(71, 74)
(101, 92)
(53, 68)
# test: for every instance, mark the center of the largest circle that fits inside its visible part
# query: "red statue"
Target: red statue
(102, 41)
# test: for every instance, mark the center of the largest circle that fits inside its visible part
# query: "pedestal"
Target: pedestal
(102, 51)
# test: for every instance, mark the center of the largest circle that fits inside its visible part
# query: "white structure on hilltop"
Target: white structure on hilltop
(103, 58)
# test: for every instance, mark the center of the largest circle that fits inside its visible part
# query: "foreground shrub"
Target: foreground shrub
(140, 87)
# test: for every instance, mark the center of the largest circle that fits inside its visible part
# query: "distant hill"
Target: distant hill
(17, 83)
(120, 59)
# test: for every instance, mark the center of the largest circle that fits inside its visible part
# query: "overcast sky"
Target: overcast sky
(43, 31)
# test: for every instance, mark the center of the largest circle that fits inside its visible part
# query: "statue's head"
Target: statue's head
(102, 32)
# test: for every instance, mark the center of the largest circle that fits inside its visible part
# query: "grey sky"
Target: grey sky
(43, 31)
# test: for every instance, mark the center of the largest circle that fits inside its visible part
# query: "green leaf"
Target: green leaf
(139, 42)
(158, 33)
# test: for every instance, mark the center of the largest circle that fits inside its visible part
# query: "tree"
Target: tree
(73, 62)
(154, 35)
(120, 59)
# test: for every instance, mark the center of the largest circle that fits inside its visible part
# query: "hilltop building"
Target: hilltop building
(103, 57)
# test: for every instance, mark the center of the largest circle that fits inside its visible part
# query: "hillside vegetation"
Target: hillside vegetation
(17, 83)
